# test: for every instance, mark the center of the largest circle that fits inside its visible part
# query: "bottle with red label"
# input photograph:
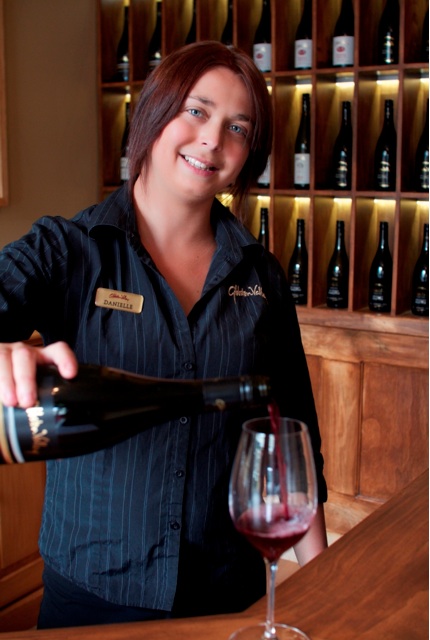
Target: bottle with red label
(343, 36)
(262, 49)
(303, 41)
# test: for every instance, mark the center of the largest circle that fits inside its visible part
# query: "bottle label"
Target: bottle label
(262, 54)
(420, 302)
(303, 54)
(302, 163)
(124, 171)
(384, 171)
(264, 179)
(424, 175)
(341, 176)
(388, 49)
(343, 51)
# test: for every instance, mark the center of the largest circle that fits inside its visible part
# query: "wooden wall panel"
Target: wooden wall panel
(394, 429)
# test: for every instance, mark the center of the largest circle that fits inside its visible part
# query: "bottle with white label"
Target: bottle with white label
(262, 48)
(264, 179)
(302, 149)
(303, 41)
(343, 36)
(123, 167)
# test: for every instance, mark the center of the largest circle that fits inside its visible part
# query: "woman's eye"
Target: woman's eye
(238, 129)
(194, 111)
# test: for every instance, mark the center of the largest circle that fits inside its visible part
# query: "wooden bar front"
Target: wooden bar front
(371, 584)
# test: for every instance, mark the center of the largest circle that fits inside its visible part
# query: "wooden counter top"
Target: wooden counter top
(372, 584)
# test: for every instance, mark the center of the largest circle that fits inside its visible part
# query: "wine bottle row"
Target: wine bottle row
(361, 154)
(380, 279)
(308, 35)
(341, 162)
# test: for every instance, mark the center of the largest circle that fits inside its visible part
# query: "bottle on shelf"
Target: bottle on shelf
(227, 34)
(262, 48)
(123, 165)
(343, 36)
(122, 73)
(381, 274)
(388, 34)
(425, 38)
(422, 157)
(298, 267)
(342, 152)
(102, 407)
(303, 40)
(420, 279)
(263, 180)
(192, 33)
(154, 48)
(302, 148)
(386, 152)
(338, 271)
(263, 235)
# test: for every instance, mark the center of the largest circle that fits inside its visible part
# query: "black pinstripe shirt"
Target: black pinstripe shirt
(145, 523)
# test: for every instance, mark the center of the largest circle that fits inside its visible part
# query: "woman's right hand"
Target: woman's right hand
(18, 363)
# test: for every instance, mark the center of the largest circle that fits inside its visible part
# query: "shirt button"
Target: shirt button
(188, 366)
(179, 473)
(183, 420)
(174, 525)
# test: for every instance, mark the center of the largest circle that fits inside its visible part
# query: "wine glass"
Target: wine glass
(272, 502)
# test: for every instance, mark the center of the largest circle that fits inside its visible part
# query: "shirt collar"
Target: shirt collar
(117, 212)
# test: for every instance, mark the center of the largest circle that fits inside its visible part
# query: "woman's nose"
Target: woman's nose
(212, 136)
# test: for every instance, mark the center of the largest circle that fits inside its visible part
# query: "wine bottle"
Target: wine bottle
(192, 33)
(262, 48)
(264, 179)
(420, 279)
(303, 41)
(263, 235)
(227, 34)
(388, 34)
(103, 406)
(385, 152)
(154, 49)
(298, 266)
(422, 157)
(425, 38)
(342, 152)
(343, 36)
(302, 148)
(123, 167)
(122, 58)
(381, 274)
(338, 271)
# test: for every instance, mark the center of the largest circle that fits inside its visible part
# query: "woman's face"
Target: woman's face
(203, 149)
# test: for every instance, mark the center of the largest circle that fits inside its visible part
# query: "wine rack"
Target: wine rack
(361, 362)
(365, 85)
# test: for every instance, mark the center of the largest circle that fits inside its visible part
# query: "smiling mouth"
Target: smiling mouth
(199, 165)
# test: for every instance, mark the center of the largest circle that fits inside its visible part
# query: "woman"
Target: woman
(142, 530)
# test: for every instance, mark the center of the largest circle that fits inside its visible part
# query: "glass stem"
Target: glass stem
(270, 632)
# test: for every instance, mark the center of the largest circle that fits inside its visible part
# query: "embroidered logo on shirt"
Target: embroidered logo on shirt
(237, 292)
(119, 300)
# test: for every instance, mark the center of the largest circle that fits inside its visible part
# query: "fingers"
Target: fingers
(18, 364)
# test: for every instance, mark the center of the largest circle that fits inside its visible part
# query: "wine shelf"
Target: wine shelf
(365, 84)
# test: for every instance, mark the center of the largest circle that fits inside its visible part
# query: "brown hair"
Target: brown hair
(169, 85)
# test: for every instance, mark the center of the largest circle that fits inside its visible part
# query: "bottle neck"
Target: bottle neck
(425, 247)
(383, 235)
(300, 233)
(340, 236)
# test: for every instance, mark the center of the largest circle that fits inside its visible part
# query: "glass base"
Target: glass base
(258, 632)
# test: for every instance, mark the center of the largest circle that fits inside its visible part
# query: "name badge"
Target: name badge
(119, 300)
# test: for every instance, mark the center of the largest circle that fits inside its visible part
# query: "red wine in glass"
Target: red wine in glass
(272, 501)
(275, 537)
